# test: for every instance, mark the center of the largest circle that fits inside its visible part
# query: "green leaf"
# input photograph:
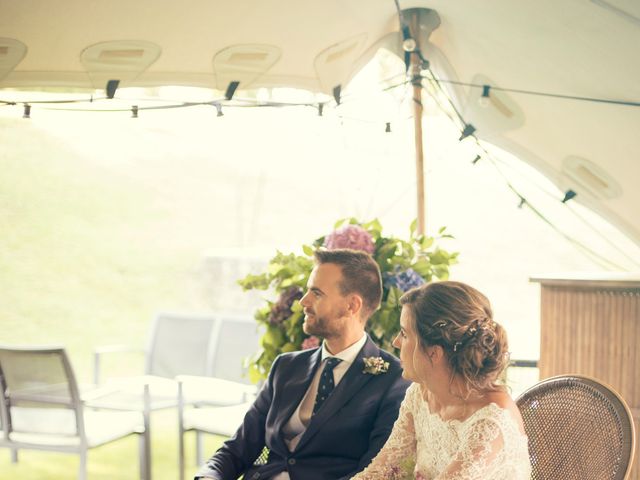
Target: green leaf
(422, 267)
(339, 223)
(289, 347)
(374, 227)
(254, 373)
(250, 282)
(307, 250)
(426, 242)
(441, 271)
(273, 337)
(439, 257)
(296, 307)
(413, 227)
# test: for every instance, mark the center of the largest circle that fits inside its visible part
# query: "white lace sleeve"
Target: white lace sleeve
(479, 454)
(397, 458)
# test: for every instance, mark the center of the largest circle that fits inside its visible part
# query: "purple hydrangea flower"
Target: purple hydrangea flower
(281, 310)
(405, 280)
(350, 236)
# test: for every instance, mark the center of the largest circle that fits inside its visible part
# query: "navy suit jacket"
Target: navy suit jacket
(342, 437)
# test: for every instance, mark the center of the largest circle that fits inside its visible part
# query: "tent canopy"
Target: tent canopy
(576, 48)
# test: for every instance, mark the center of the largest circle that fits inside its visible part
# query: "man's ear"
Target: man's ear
(354, 304)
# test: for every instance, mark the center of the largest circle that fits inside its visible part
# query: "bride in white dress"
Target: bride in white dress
(456, 422)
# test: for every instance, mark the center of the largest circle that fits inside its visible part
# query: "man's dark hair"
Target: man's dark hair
(360, 274)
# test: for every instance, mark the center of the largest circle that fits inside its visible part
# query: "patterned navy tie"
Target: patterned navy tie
(325, 387)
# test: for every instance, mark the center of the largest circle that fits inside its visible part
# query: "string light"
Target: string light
(231, 90)
(540, 94)
(483, 100)
(522, 200)
(112, 86)
(569, 194)
(467, 131)
(134, 111)
(337, 90)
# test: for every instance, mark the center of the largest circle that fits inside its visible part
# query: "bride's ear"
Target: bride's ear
(435, 354)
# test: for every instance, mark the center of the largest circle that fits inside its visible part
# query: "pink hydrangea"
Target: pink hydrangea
(311, 342)
(350, 236)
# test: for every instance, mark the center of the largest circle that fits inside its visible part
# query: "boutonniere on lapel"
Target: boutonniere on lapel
(375, 365)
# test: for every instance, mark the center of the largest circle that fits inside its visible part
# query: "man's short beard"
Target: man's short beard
(320, 328)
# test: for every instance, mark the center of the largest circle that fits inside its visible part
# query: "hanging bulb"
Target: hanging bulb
(387, 127)
(219, 109)
(134, 111)
(467, 131)
(409, 45)
(522, 201)
(484, 100)
(569, 194)
(27, 111)
(320, 109)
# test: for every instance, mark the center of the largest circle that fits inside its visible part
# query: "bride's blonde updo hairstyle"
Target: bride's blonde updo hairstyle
(459, 319)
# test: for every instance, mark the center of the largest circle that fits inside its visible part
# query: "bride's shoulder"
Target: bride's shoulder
(504, 403)
(415, 395)
(501, 398)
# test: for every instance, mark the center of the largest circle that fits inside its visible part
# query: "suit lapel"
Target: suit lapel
(350, 384)
(296, 383)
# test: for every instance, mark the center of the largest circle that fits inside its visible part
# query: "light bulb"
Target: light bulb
(483, 100)
(409, 44)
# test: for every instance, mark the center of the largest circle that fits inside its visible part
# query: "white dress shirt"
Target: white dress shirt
(297, 424)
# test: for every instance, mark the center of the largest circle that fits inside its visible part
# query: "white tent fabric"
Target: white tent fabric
(582, 48)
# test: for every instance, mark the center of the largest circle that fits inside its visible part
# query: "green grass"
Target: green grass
(117, 460)
(88, 255)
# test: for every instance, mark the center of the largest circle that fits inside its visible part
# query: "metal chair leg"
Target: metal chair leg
(147, 433)
(180, 431)
(198, 448)
(142, 455)
(82, 468)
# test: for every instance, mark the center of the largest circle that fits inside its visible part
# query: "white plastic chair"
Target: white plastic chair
(236, 339)
(181, 344)
(42, 408)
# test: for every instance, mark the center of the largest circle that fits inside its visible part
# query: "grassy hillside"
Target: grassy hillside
(76, 264)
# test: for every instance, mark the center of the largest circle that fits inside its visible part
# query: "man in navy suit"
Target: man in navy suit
(324, 413)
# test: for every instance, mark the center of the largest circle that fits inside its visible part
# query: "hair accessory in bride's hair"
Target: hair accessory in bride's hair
(456, 345)
(440, 324)
(486, 324)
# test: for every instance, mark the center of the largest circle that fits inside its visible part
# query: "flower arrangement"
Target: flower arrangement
(404, 264)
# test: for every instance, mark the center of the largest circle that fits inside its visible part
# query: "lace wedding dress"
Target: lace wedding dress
(486, 446)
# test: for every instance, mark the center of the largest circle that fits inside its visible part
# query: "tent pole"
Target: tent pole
(417, 121)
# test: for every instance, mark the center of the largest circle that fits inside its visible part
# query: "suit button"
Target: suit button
(292, 461)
